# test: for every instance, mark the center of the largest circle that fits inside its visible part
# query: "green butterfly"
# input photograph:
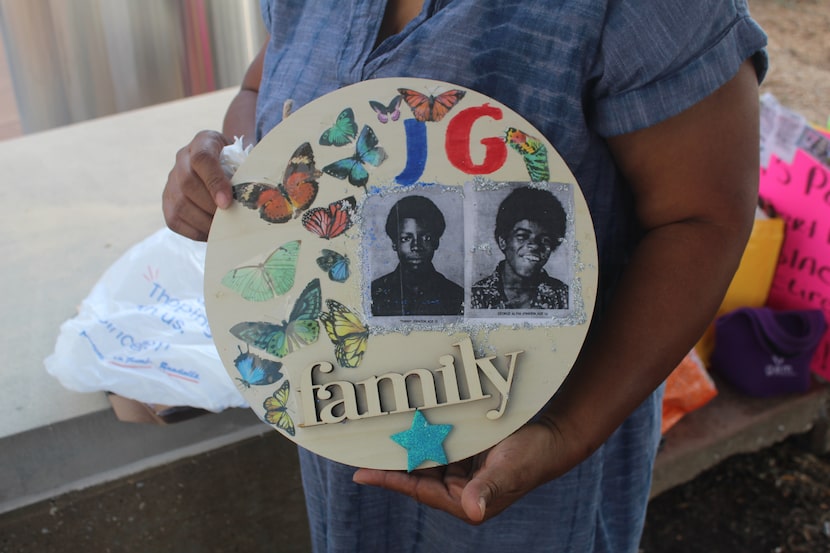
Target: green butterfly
(300, 330)
(342, 132)
(533, 151)
(270, 278)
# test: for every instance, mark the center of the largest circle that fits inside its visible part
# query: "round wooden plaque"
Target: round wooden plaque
(406, 276)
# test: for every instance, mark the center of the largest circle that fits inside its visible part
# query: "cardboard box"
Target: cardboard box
(130, 410)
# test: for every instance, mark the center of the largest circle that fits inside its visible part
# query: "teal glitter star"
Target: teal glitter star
(423, 441)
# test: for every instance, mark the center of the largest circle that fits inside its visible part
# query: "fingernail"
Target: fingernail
(482, 505)
(222, 200)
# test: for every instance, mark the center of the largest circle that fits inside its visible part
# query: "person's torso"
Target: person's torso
(551, 62)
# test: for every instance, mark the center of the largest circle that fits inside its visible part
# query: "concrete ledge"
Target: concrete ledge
(93, 190)
(93, 449)
(733, 423)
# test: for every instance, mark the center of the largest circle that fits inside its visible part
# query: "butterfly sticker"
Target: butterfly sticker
(334, 220)
(276, 410)
(535, 153)
(352, 168)
(389, 112)
(300, 330)
(346, 332)
(342, 132)
(270, 278)
(279, 203)
(256, 371)
(430, 108)
(336, 264)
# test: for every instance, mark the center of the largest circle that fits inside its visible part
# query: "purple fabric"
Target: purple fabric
(765, 352)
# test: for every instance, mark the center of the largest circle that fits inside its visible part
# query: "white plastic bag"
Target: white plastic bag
(142, 332)
(233, 155)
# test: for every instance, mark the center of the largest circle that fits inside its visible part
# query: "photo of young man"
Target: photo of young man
(415, 226)
(531, 224)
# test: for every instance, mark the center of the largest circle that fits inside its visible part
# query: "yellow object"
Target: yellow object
(751, 284)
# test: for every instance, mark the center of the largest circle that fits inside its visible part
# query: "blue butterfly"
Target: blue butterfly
(366, 151)
(336, 264)
(256, 371)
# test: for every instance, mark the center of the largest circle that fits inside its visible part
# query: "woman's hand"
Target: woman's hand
(196, 186)
(479, 488)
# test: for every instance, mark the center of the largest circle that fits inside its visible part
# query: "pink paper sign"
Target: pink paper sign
(800, 193)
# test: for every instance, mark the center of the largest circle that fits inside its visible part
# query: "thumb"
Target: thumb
(479, 493)
(205, 159)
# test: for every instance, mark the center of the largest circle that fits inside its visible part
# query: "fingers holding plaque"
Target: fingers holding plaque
(413, 281)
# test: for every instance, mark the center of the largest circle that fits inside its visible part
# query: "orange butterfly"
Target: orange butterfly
(332, 221)
(277, 204)
(430, 108)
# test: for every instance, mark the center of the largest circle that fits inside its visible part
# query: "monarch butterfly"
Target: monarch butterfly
(276, 410)
(336, 264)
(533, 151)
(352, 168)
(430, 108)
(332, 221)
(267, 279)
(300, 330)
(342, 132)
(256, 371)
(386, 113)
(298, 189)
(346, 332)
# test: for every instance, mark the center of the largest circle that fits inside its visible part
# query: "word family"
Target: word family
(340, 400)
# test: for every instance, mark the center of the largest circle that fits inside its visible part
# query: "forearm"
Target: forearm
(668, 295)
(240, 118)
(695, 183)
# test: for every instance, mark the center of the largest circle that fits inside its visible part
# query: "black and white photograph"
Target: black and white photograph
(415, 249)
(521, 242)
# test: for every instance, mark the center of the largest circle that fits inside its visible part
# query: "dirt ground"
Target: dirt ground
(799, 50)
(774, 501)
(777, 500)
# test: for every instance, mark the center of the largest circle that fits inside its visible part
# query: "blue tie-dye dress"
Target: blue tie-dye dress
(579, 71)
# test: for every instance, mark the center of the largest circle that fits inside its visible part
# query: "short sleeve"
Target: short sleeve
(265, 9)
(658, 58)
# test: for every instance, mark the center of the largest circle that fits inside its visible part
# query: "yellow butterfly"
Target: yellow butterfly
(276, 411)
(346, 332)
